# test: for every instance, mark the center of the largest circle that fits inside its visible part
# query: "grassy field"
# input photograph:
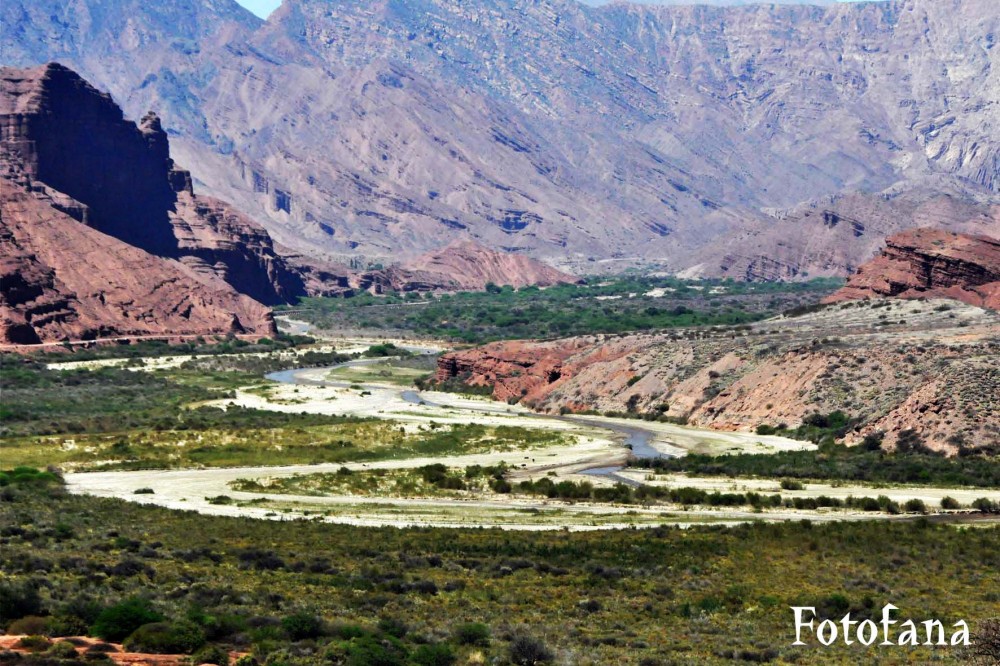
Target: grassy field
(307, 593)
(606, 305)
(399, 372)
(277, 439)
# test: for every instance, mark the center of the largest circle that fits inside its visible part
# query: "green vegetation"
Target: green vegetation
(838, 462)
(429, 480)
(817, 428)
(153, 348)
(303, 593)
(397, 371)
(623, 494)
(606, 305)
(241, 437)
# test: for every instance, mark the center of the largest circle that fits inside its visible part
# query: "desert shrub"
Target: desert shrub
(210, 654)
(527, 650)
(62, 650)
(950, 503)
(367, 651)
(434, 654)
(18, 599)
(985, 648)
(393, 626)
(102, 648)
(116, 622)
(791, 484)
(915, 506)
(986, 505)
(34, 643)
(32, 625)
(472, 633)
(302, 625)
(181, 637)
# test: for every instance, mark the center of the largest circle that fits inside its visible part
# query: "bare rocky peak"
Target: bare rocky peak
(628, 134)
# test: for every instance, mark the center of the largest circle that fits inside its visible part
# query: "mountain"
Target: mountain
(594, 137)
(832, 236)
(930, 263)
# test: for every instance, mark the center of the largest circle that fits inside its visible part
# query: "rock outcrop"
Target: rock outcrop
(833, 236)
(64, 133)
(101, 234)
(924, 370)
(64, 281)
(930, 263)
(469, 266)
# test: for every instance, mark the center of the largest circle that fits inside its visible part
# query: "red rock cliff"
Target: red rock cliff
(64, 133)
(930, 263)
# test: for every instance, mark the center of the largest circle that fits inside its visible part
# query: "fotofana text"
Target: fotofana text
(867, 632)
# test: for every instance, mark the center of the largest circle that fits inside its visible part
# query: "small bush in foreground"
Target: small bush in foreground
(166, 638)
(119, 621)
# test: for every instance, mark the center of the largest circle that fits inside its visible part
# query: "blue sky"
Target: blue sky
(264, 7)
(260, 7)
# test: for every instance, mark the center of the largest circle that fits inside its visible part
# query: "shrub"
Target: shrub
(434, 654)
(367, 651)
(302, 625)
(472, 633)
(210, 654)
(526, 650)
(985, 505)
(62, 650)
(181, 637)
(791, 484)
(118, 621)
(32, 625)
(950, 503)
(18, 599)
(915, 506)
(34, 643)
(102, 648)
(393, 627)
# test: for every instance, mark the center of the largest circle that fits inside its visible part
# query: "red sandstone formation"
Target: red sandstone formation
(63, 280)
(930, 263)
(101, 235)
(895, 366)
(60, 131)
(469, 266)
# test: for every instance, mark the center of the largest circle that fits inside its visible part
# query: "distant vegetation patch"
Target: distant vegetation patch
(838, 462)
(603, 305)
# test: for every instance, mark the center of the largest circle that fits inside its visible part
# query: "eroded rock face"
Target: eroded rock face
(467, 265)
(833, 236)
(62, 280)
(930, 263)
(893, 365)
(64, 133)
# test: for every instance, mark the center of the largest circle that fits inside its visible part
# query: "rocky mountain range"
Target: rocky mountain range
(101, 234)
(694, 138)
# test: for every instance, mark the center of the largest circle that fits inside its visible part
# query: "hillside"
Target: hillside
(926, 368)
(594, 137)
